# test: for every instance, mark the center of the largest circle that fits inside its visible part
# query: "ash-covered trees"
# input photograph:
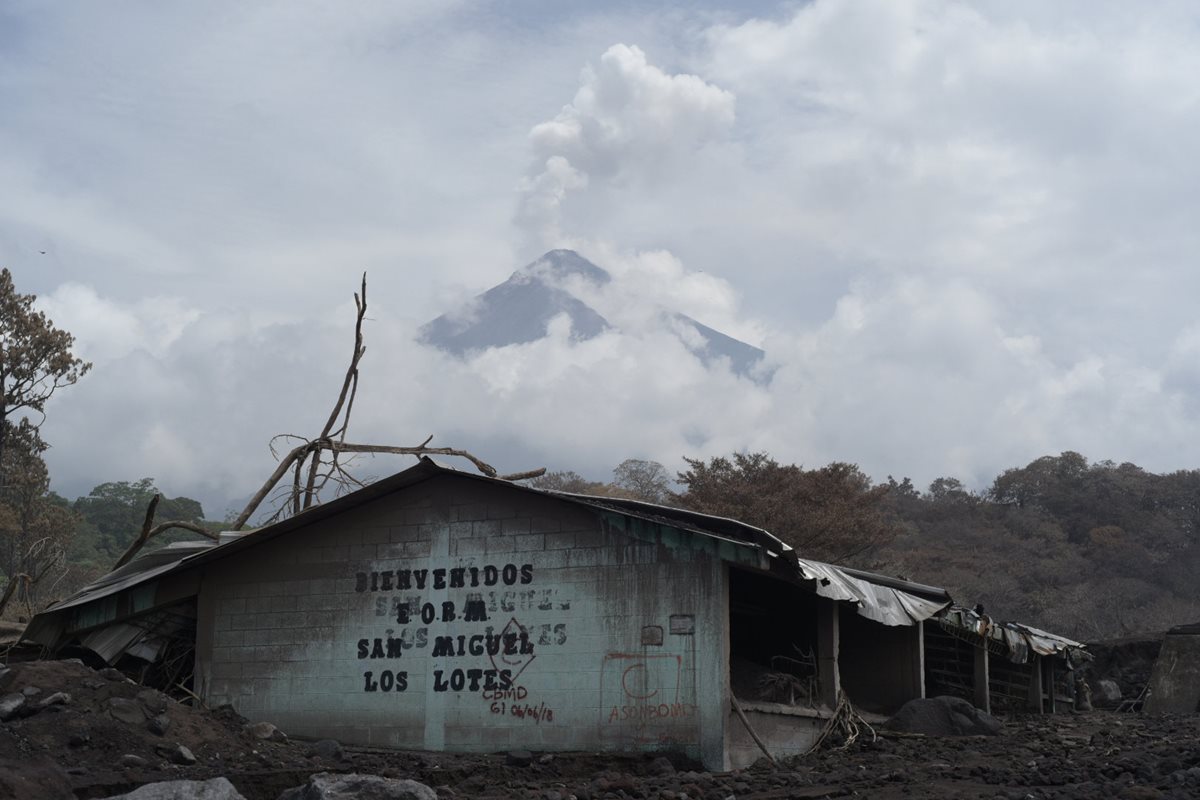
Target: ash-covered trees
(35, 525)
(643, 480)
(833, 513)
(35, 360)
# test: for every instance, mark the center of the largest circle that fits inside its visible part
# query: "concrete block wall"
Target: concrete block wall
(785, 731)
(470, 616)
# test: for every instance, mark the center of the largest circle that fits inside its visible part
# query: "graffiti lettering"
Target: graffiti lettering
(388, 681)
(652, 711)
(500, 705)
(525, 600)
(393, 646)
(392, 580)
(459, 679)
(509, 644)
(401, 595)
(538, 713)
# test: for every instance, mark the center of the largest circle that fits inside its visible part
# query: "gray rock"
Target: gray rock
(944, 716)
(326, 748)
(215, 789)
(10, 706)
(127, 711)
(31, 691)
(56, 699)
(159, 725)
(265, 731)
(155, 702)
(79, 739)
(1107, 694)
(661, 766)
(110, 674)
(518, 758)
(327, 786)
(176, 753)
(131, 760)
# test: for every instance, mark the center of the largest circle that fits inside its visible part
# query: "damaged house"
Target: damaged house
(441, 610)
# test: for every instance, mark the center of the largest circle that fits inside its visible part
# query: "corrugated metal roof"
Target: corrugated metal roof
(883, 599)
(139, 570)
(1015, 639)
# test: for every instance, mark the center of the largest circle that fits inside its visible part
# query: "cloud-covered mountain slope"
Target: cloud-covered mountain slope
(520, 309)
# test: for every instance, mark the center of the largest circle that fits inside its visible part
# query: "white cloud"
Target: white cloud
(629, 122)
(964, 233)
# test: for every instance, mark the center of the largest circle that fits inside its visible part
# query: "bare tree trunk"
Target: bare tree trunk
(11, 589)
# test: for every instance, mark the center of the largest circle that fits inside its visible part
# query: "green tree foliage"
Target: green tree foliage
(113, 514)
(35, 360)
(833, 513)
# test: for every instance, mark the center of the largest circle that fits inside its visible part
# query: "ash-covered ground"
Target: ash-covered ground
(77, 732)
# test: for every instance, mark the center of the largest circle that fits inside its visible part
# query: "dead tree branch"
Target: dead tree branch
(345, 397)
(306, 489)
(150, 530)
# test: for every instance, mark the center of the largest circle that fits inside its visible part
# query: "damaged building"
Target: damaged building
(441, 610)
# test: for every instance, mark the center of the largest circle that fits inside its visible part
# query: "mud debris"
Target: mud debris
(76, 747)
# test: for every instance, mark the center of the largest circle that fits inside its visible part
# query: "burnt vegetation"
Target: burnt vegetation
(1090, 550)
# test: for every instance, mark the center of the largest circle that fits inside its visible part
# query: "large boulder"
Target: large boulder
(1107, 694)
(328, 786)
(215, 789)
(943, 716)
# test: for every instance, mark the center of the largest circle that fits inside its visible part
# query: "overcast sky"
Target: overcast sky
(966, 234)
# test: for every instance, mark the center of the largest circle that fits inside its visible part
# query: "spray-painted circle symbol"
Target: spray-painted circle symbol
(635, 693)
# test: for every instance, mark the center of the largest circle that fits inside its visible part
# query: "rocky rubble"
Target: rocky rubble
(105, 736)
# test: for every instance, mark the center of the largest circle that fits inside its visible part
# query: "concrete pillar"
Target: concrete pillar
(828, 643)
(714, 679)
(1035, 684)
(983, 696)
(919, 662)
(1048, 681)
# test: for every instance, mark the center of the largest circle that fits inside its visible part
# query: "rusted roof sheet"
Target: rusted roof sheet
(1016, 640)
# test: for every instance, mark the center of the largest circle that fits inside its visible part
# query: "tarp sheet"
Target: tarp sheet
(882, 604)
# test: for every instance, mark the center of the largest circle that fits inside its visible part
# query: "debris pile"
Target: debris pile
(73, 732)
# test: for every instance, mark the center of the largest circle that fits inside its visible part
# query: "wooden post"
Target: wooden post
(983, 694)
(828, 644)
(1035, 684)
